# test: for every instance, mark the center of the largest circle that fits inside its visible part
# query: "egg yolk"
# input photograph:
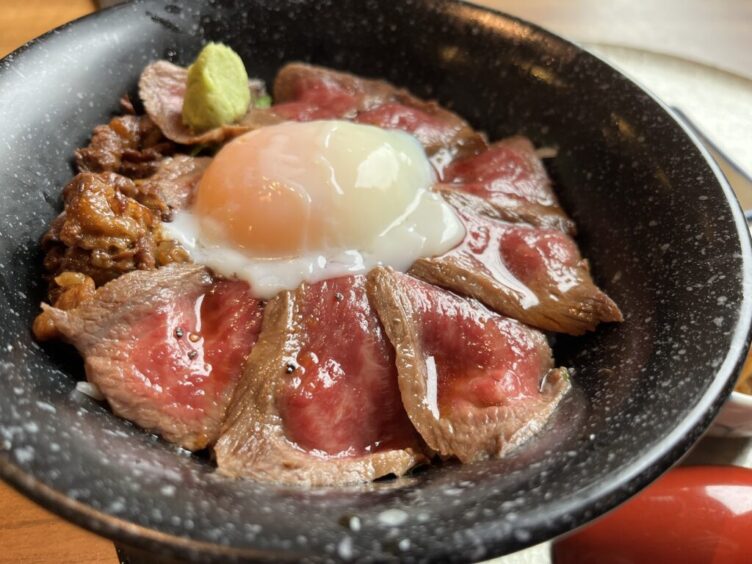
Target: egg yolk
(282, 190)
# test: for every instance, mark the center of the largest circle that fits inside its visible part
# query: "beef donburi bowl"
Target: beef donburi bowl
(642, 390)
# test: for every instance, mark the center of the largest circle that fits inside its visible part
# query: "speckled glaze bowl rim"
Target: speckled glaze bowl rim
(600, 498)
(736, 402)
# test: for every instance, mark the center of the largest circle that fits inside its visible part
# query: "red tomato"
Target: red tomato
(695, 514)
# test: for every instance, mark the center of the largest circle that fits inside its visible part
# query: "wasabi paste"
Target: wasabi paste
(217, 90)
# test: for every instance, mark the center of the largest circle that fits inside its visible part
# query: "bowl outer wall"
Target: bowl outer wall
(662, 229)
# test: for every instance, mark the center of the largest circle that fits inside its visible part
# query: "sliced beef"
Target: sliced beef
(475, 384)
(305, 92)
(173, 185)
(507, 208)
(319, 402)
(443, 134)
(162, 90)
(129, 145)
(165, 347)
(510, 176)
(532, 274)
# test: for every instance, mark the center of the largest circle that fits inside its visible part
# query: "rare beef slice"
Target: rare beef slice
(305, 92)
(511, 178)
(532, 274)
(474, 384)
(319, 402)
(166, 347)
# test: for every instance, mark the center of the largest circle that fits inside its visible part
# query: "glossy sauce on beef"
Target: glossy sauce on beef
(475, 384)
(166, 347)
(341, 397)
(479, 359)
(532, 274)
(190, 351)
(511, 177)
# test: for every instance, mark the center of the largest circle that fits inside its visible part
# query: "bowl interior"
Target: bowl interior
(662, 232)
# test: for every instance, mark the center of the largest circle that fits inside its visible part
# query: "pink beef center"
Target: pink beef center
(190, 352)
(426, 128)
(533, 256)
(318, 100)
(343, 398)
(481, 360)
(539, 254)
(504, 170)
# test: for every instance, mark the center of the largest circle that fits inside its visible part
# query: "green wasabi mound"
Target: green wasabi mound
(217, 90)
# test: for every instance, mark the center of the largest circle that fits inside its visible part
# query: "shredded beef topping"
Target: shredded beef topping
(71, 289)
(130, 145)
(104, 232)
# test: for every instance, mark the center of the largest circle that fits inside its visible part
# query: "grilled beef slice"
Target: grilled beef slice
(305, 92)
(511, 177)
(318, 403)
(165, 347)
(528, 273)
(162, 90)
(475, 384)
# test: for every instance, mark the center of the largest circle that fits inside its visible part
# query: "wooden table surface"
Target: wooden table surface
(717, 33)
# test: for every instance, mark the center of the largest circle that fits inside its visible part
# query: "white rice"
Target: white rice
(547, 152)
(89, 389)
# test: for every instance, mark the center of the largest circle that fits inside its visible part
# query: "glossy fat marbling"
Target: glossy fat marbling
(662, 231)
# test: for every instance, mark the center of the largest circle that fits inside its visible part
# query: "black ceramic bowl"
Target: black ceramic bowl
(660, 225)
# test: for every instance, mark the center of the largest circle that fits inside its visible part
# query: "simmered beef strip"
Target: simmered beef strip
(129, 145)
(71, 289)
(305, 92)
(105, 230)
(475, 384)
(166, 347)
(510, 176)
(173, 185)
(319, 402)
(102, 232)
(162, 90)
(532, 274)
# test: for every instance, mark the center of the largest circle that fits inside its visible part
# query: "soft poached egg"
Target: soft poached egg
(309, 201)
